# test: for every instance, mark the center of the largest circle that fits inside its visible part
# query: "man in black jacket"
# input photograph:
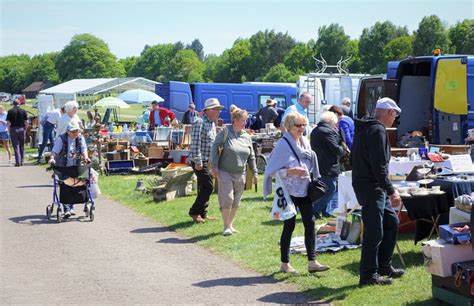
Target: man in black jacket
(326, 142)
(370, 157)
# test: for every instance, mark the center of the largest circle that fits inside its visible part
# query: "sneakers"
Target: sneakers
(287, 268)
(208, 218)
(227, 232)
(375, 280)
(67, 214)
(391, 272)
(315, 266)
(72, 212)
(233, 229)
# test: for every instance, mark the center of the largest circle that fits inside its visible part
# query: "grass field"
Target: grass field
(256, 247)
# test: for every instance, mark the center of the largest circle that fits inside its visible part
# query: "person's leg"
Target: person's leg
(51, 138)
(204, 186)
(44, 141)
(285, 239)
(15, 145)
(21, 144)
(319, 207)
(238, 186)
(373, 204)
(6, 145)
(225, 195)
(332, 204)
(208, 187)
(390, 230)
(306, 210)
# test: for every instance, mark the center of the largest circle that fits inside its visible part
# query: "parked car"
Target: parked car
(5, 96)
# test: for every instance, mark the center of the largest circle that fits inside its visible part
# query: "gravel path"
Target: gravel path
(121, 257)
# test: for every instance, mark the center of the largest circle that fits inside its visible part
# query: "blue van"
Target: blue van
(435, 93)
(248, 96)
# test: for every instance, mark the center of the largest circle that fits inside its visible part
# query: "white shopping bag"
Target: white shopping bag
(283, 207)
(95, 190)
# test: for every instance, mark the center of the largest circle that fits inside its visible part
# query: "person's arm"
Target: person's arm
(214, 158)
(196, 143)
(251, 160)
(85, 154)
(25, 118)
(57, 148)
(332, 143)
(347, 133)
(378, 159)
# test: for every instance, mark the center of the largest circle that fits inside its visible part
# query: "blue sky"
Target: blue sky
(35, 27)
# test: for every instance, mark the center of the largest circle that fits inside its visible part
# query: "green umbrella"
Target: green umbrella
(111, 102)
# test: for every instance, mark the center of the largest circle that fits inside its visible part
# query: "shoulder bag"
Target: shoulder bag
(316, 187)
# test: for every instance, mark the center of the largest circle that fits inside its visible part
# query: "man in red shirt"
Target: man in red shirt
(160, 116)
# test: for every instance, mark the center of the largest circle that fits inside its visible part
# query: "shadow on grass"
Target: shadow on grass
(328, 295)
(176, 240)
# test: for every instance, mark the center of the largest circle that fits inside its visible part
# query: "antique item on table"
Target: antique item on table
(464, 203)
(458, 233)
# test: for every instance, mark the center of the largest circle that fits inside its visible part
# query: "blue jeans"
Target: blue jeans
(380, 231)
(48, 131)
(328, 201)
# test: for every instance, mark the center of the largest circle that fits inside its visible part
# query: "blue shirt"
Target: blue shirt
(3, 122)
(302, 111)
(156, 115)
(71, 149)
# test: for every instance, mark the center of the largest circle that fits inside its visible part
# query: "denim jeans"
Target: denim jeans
(380, 231)
(328, 201)
(48, 131)
(17, 135)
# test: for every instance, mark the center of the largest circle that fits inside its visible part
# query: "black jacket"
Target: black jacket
(186, 118)
(370, 156)
(325, 141)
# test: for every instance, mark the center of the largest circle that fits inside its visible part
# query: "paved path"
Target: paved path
(121, 257)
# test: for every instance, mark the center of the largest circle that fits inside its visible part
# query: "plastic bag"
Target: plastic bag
(283, 207)
(95, 190)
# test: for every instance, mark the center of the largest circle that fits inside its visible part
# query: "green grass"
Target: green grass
(256, 247)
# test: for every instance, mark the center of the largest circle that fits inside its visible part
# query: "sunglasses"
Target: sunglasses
(300, 125)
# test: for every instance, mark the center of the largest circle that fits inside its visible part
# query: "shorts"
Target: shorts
(230, 189)
(4, 136)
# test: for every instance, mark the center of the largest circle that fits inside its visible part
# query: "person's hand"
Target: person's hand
(395, 199)
(87, 160)
(198, 167)
(255, 179)
(214, 172)
(297, 171)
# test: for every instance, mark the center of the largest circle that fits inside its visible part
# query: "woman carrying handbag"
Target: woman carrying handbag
(295, 174)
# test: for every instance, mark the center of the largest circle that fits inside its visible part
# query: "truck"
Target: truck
(327, 89)
(248, 96)
(435, 93)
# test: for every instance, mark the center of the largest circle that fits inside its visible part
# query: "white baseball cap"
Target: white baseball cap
(387, 103)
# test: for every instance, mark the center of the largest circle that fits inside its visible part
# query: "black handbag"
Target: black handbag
(316, 187)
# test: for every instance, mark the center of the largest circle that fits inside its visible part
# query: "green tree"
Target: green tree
(461, 36)
(186, 67)
(431, 34)
(236, 63)
(398, 48)
(268, 49)
(128, 64)
(279, 73)
(332, 43)
(154, 62)
(355, 63)
(197, 47)
(87, 56)
(372, 43)
(42, 68)
(300, 59)
(14, 73)
(213, 64)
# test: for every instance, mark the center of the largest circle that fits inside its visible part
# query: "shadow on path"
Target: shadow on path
(147, 230)
(41, 219)
(36, 186)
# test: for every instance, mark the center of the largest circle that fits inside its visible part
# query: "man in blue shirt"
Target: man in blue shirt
(301, 107)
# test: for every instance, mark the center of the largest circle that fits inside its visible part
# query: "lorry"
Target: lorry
(435, 93)
(327, 89)
(248, 96)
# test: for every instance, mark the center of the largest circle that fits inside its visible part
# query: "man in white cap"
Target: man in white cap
(268, 114)
(203, 134)
(370, 157)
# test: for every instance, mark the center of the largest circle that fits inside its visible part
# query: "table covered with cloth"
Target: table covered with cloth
(423, 209)
(454, 187)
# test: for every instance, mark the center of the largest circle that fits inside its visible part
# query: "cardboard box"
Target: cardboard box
(155, 151)
(141, 162)
(448, 234)
(440, 255)
(125, 155)
(113, 156)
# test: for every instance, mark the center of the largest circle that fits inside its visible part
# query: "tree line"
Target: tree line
(265, 56)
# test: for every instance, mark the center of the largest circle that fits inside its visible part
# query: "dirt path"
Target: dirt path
(121, 257)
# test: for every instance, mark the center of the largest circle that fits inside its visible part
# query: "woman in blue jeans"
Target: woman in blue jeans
(48, 123)
(326, 142)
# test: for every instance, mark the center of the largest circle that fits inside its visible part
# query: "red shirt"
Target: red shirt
(164, 112)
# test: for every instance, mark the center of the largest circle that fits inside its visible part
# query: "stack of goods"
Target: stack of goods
(118, 150)
(450, 260)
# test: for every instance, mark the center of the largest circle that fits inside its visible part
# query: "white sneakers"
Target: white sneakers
(227, 232)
